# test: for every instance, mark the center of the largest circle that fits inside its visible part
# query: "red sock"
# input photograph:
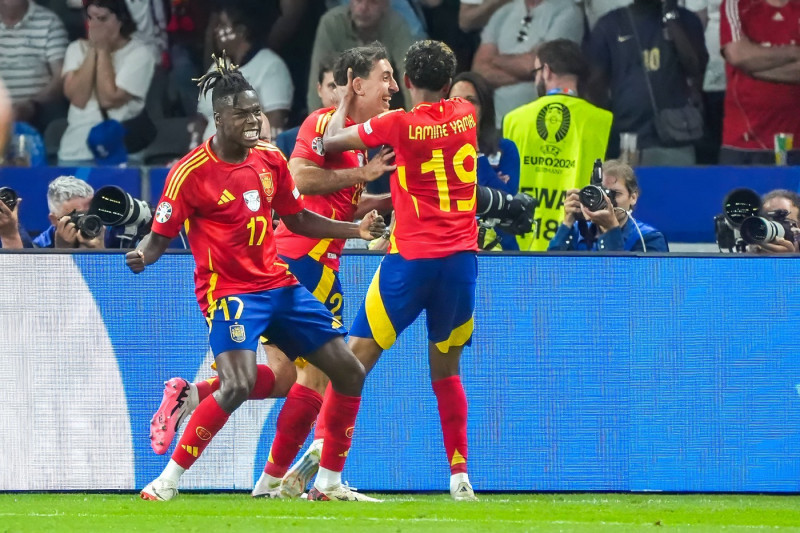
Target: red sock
(207, 387)
(319, 429)
(206, 421)
(453, 414)
(265, 381)
(294, 424)
(340, 421)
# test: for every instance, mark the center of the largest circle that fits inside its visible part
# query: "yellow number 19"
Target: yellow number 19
(436, 165)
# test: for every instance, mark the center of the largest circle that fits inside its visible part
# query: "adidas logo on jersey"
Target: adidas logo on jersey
(225, 197)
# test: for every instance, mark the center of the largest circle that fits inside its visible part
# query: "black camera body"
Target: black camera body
(9, 197)
(742, 222)
(89, 225)
(591, 196)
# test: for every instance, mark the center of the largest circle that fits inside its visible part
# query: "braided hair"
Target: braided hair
(223, 80)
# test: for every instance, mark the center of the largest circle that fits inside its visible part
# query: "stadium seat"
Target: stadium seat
(171, 141)
(52, 139)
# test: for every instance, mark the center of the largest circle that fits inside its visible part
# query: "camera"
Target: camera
(89, 225)
(740, 222)
(9, 197)
(591, 196)
(117, 208)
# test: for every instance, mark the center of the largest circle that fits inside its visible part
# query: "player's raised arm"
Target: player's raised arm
(316, 226)
(337, 137)
(148, 252)
(311, 178)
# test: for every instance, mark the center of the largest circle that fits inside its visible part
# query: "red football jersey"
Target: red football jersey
(339, 205)
(434, 186)
(229, 212)
(756, 110)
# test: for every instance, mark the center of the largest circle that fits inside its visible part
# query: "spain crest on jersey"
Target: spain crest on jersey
(267, 184)
(252, 200)
(237, 333)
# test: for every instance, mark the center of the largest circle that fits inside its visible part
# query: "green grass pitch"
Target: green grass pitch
(207, 513)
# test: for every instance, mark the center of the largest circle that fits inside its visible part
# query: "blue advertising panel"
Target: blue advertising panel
(586, 373)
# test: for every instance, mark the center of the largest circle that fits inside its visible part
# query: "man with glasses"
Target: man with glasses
(506, 54)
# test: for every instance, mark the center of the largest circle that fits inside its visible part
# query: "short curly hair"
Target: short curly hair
(430, 65)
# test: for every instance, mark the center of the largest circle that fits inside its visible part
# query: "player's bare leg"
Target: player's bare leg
(452, 403)
(239, 377)
(295, 421)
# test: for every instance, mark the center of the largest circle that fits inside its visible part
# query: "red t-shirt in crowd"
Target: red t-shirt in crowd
(756, 110)
(228, 209)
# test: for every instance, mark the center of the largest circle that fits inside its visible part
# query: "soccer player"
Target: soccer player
(227, 188)
(332, 185)
(432, 262)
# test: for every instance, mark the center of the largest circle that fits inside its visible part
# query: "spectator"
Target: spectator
(238, 33)
(474, 14)
(788, 201)
(594, 9)
(150, 17)
(498, 158)
(506, 53)
(328, 93)
(66, 194)
(759, 42)
(559, 135)
(613, 228)
(109, 72)
(186, 37)
(651, 57)
(32, 45)
(713, 83)
(358, 24)
(410, 10)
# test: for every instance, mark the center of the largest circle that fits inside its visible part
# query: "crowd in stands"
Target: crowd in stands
(653, 82)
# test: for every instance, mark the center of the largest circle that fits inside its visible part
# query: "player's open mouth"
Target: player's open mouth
(387, 100)
(251, 134)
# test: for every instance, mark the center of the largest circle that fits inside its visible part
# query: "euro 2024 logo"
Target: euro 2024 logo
(552, 125)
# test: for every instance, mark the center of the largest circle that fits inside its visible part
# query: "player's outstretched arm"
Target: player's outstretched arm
(148, 252)
(311, 178)
(382, 203)
(316, 226)
(337, 137)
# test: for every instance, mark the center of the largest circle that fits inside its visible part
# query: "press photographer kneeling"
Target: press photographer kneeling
(83, 218)
(765, 225)
(599, 218)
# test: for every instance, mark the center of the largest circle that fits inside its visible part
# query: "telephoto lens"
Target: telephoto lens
(9, 197)
(760, 230)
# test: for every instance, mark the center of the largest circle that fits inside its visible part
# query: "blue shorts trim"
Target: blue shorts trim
(401, 289)
(290, 317)
(321, 281)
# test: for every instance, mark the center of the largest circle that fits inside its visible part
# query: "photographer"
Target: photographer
(611, 228)
(771, 202)
(12, 235)
(68, 197)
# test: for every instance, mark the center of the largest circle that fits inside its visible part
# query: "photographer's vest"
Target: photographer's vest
(559, 136)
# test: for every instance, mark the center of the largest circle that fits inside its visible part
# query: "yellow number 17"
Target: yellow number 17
(262, 221)
(436, 165)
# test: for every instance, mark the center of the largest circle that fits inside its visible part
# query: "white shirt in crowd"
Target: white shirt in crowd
(134, 65)
(269, 76)
(552, 19)
(715, 71)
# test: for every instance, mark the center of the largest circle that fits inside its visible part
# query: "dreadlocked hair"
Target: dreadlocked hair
(223, 80)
